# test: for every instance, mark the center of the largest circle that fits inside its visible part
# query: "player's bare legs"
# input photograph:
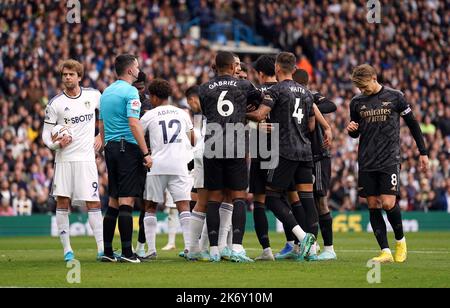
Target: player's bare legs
(96, 222)
(62, 221)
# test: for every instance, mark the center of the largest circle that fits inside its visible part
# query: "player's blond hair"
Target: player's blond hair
(72, 65)
(362, 74)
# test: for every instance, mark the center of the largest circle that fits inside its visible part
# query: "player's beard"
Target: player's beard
(70, 86)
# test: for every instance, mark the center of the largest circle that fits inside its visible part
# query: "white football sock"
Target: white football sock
(150, 226)
(214, 251)
(386, 250)
(62, 221)
(238, 248)
(196, 226)
(402, 240)
(140, 246)
(226, 214)
(267, 250)
(96, 223)
(185, 218)
(230, 237)
(313, 250)
(204, 239)
(299, 233)
(328, 248)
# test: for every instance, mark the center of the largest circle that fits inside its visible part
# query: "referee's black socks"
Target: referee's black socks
(141, 236)
(109, 227)
(126, 229)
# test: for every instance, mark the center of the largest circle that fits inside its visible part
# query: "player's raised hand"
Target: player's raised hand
(352, 127)
(423, 163)
(148, 161)
(98, 143)
(65, 141)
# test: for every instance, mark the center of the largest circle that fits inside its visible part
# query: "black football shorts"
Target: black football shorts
(380, 182)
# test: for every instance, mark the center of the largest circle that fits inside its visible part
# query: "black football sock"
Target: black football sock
(394, 216)
(326, 228)
(379, 227)
(299, 213)
(141, 237)
(213, 222)
(126, 229)
(281, 210)
(261, 224)
(239, 220)
(312, 216)
(109, 227)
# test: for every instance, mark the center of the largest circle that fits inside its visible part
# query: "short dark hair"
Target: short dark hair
(265, 64)
(160, 88)
(122, 62)
(301, 76)
(244, 67)
(192, 91)
(224, 59)
(287, 61)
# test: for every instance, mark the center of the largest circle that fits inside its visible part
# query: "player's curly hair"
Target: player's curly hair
(362, 74)
(160, 88)
(72, 65)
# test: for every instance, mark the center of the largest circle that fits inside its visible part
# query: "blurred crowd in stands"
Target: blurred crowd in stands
(409, 48)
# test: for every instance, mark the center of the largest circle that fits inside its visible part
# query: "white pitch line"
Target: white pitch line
(375, 251)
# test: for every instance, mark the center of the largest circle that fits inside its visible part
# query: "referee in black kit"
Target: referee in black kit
(125, 152)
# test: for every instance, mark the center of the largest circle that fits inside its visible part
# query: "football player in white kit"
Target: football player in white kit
(170, 128)
(76, 174)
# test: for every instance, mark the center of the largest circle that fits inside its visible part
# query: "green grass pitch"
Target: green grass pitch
(37, 262)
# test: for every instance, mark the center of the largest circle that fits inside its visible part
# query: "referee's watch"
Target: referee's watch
(147, 154)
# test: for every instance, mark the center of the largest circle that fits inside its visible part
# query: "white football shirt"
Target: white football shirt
(168, 127)
(79, 114)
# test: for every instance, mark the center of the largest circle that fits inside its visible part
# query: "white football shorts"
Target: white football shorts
(76, 180)
(178, 186)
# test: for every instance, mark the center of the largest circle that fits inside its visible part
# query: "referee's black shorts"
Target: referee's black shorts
(126, 175)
